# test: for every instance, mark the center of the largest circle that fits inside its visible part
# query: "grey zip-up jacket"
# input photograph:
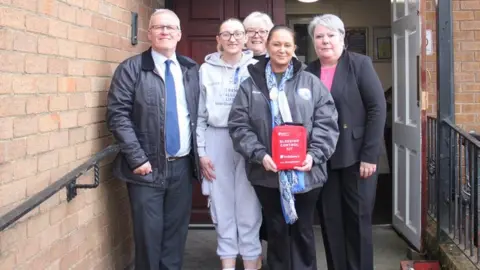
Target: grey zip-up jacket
(219, 83)
(250, 123)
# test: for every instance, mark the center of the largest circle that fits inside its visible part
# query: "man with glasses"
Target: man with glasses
(152, 112)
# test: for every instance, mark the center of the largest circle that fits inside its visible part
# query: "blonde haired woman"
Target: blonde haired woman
(234, 207)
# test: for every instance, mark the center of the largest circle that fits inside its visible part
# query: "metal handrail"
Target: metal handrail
(68, 181)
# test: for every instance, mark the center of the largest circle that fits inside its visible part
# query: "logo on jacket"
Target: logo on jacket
(305, 93)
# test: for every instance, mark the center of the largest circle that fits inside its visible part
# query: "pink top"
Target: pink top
(326, 76)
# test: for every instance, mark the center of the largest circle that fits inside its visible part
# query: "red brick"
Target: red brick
(35, 63)
(470, 46)
(68, 119)
(97, 69)
(99, 22)
(47, 84)
(83, 84)
(471, 87)
(66, 48)
(464, 77)
(91, 115)
(470, 66)
(6, 39)
(47, 161)
(37, 104)
(468, 5)
(37, 223)
(75, 68)
(92, 5)
(11, 17)
(24, 84)
(48, 45)
(91, 52)
(23, 126)
(78, 3)
(58, 103)
(37, 144)
(76, 33)
(66, 84)
(16, 191)
(36, 24)
(49, 7)
(6, 128)
(91, 36)
(96, 99)
(470, 25)
(25, 167)
(66, 12)
(76, 101)
(25, 42)
(84, 18)
(12, 150)
(57, 66)
(58, 29)
(28, 249)
(12, 105)
(76, 135)
(463, 15)
(6, 83)
(463, 35)
(67, 155)
(12, 61)
(48, 122)
(59, 139)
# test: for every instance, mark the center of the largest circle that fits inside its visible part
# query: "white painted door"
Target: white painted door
(406, 121)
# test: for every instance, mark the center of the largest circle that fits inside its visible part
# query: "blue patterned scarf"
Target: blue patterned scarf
(290, 181)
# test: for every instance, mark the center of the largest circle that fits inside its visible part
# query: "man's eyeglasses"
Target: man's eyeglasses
(252, 33)
(227, 35)
(166, 28)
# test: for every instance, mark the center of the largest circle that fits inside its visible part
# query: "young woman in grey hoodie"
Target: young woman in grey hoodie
(234, 207)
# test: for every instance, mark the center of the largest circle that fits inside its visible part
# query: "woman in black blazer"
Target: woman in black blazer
(346, 203)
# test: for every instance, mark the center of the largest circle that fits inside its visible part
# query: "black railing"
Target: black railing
(458, 203)
(68, 181)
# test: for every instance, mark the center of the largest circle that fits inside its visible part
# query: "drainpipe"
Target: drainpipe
(445, 112)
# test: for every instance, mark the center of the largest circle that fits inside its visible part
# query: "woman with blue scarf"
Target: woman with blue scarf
(279, 91)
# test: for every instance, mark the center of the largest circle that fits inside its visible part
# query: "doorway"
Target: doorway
(370, 24)
(364, 34)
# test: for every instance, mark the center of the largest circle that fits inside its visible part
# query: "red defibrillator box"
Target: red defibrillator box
(289, 146)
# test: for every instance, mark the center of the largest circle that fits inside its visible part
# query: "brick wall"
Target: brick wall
(56, 59)
(466, 32)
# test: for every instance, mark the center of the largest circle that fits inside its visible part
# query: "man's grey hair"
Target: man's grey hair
(329, 21)
(163, 11)
(255, 18)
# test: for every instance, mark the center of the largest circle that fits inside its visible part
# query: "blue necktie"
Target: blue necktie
(172, 132)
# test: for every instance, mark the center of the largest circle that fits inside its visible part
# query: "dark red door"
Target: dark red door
(200, 21)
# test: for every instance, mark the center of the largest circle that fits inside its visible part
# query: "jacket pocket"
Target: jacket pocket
(358, 132)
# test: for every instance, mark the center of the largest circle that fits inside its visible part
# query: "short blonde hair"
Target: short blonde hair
(163, 11)
(255, 18)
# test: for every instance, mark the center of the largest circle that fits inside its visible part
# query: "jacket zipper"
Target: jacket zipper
(164, 120)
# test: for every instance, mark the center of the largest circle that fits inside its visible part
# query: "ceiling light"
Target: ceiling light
(307, 1)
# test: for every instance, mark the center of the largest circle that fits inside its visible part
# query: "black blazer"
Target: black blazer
(361, 106)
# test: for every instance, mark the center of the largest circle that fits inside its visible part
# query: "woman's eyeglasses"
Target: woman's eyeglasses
(252, 33)
(227, 35)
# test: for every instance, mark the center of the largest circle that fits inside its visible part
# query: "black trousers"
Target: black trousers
(161, 217)
(345, 209)
(290, 247)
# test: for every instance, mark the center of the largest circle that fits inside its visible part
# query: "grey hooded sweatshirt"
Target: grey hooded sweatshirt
(219, 83)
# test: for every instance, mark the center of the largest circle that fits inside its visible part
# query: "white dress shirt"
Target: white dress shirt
(182, 109)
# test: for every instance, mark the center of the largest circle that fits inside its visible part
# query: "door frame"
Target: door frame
(423, 116)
